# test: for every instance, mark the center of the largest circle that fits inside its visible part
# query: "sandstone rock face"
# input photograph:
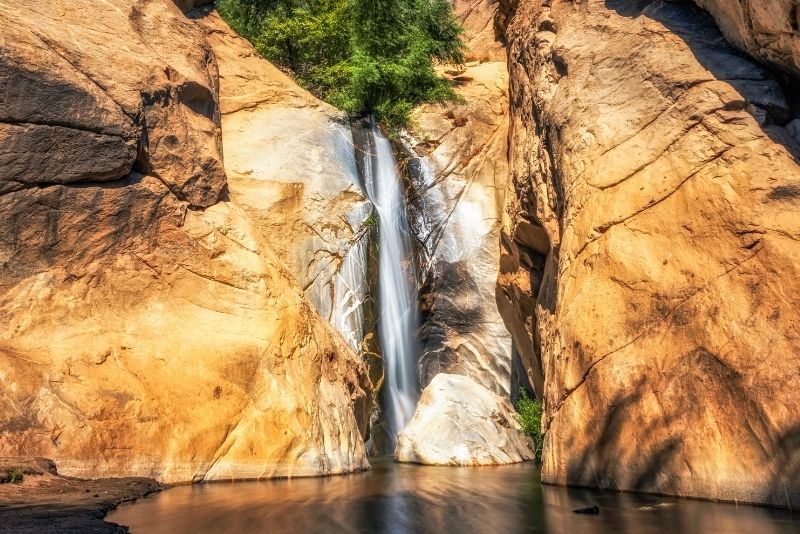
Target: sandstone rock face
(147, 327)
(482, 36)
(769, 30)
(651, 251)
(460, 422)
(67, 108)
(455, 206)
(291, 167)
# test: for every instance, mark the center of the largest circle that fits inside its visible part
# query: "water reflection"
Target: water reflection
(403, 498)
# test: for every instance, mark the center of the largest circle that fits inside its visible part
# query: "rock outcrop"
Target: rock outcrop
(291, 166)
(768, 30)
(147, 327)
(460, 422)
(651, 251)
(456, 201)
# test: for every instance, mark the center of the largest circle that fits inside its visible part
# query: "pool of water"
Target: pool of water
(409, 498)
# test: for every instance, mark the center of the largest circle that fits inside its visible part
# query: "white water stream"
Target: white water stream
(398, 318)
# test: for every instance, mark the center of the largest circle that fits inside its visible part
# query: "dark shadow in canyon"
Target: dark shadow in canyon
(451, 308)
(784, 483)
(687, 405)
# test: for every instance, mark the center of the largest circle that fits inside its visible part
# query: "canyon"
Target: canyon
(607, 215)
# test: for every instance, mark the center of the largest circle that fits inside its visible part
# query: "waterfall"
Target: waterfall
(398, 317)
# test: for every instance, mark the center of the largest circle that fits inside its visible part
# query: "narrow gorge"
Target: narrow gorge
(208, 273)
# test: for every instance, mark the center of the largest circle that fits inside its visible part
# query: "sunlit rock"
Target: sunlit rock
(147, 326)
(291, 166)
(652, 251)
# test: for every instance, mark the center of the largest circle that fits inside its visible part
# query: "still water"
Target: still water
(407, 498)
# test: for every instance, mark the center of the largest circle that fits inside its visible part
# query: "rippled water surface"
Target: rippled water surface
(407, 498)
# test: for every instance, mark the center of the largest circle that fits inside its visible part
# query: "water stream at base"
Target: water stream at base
(397, 498)
(398, 318)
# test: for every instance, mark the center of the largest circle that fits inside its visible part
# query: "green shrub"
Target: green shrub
(363, 56)
(530, 418)
(14, 476)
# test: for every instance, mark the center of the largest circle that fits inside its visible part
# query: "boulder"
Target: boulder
(147, 327)
(651, 251)
(459, 422)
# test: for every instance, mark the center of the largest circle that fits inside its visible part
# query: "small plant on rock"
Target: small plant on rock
(530, 418)
(14, 476)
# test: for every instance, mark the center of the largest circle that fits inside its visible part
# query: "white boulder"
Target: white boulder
(460, 422)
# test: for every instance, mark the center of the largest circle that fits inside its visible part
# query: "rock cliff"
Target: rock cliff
(291, 166)
(651, 250)
(456, 200)
(147, 325)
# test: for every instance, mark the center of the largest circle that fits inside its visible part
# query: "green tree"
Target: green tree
(310, 38)
(363, 56)
(395, 46)
(246, 16)
(530, 419)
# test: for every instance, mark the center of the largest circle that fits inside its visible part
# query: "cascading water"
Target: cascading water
(350, 293)
(398, 318)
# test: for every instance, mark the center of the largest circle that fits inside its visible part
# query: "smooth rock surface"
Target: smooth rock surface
(651, 251)
(460, 422)
(147, 327)
(455, 206)
(291, 166)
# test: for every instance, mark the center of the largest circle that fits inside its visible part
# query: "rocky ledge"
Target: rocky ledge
(147, 325)
(650, 251)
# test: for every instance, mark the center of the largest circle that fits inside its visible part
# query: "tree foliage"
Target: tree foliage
(361, 55)
(530, 419)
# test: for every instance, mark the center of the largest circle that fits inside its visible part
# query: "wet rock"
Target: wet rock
(456, 200)
(291, 166)
(460, 422)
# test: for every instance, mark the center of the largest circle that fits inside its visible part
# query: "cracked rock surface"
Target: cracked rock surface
(650, 251)
(291, 166)
(455, 211)
(147, 325)
(460, 422)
